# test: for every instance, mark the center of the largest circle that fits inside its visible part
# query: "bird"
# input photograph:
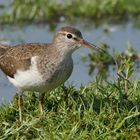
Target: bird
(41, 67)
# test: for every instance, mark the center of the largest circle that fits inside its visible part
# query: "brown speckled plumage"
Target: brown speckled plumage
(3, 49)
(19, 56)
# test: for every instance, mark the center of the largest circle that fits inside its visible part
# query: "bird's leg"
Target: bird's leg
(20, 104)
(41, 103)
(65, 94)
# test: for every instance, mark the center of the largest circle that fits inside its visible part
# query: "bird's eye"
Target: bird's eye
(69, 36)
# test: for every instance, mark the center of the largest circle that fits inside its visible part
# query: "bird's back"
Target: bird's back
(3, 49)
(19, 56)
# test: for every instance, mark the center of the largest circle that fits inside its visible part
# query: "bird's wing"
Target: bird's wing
(3, 49)
(19, 57)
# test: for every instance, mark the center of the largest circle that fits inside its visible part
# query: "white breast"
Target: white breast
(27, 79)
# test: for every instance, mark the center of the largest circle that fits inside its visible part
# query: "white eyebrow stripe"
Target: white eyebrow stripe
(67, 33)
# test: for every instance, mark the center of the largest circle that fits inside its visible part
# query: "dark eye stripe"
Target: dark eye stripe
(75, 38)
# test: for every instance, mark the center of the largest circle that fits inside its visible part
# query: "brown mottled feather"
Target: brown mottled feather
(3, 49)
(19, 57)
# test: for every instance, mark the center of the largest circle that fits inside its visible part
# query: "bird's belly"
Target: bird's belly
(33, 80)
(27, 80)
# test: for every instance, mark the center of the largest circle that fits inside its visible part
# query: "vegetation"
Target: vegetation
(102, 110)
(55, 11)
(103, 60)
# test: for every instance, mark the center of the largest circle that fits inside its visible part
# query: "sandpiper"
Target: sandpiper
(41, 67)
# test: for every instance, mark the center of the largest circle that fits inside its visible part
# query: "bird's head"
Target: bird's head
(71, 39)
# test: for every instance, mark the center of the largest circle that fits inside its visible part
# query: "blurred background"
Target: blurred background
(113, 25)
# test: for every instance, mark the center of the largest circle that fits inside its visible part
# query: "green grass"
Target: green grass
(53, 11)
(101, 111)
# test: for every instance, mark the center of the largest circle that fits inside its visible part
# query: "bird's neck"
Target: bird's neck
(63, 50)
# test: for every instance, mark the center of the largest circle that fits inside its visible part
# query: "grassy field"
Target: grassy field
(55, 11)
(101, 111)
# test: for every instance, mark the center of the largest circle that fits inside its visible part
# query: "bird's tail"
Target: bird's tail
(3, 49)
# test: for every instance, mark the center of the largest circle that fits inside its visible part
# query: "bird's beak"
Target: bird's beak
(88, 45)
